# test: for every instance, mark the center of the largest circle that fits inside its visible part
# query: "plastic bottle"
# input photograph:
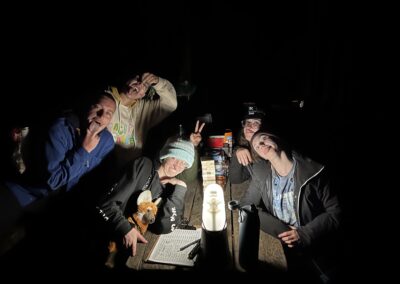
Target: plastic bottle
(229, 142)
(181, 132)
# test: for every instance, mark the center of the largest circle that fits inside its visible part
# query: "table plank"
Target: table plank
(229, 222)
(192, 211)
(196, 205)
(270, 249)
(270, 253)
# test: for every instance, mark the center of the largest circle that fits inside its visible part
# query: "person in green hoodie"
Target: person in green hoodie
(142, 102)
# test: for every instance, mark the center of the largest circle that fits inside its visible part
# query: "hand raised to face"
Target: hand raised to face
(148, 80)
(195, 137)
(139, 85)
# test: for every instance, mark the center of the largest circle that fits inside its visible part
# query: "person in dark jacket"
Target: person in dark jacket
(160, 178)
(240, 166)
(296, 203)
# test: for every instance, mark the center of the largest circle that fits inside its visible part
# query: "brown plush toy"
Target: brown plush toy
(145, 215)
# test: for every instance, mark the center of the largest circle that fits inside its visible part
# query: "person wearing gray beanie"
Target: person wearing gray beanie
(160, 177)
(180, 149)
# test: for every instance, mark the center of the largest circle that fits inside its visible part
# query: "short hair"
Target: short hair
(282, 145)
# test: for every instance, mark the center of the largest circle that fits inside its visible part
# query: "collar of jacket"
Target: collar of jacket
(309, 169)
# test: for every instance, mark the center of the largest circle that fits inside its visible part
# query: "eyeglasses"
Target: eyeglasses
(251, 123)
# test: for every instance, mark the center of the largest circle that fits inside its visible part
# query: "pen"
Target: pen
(189, 244)
(194, 251)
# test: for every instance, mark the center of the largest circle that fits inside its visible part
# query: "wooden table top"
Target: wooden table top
(270, 254)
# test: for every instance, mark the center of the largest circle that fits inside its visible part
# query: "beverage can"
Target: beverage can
(228, 136)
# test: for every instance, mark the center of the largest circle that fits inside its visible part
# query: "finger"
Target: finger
(98, 130)
(145, 76)
(93, 126)
(245, 159)
(134, 249)
(202, 126)
(149, 78)
(241, 160)
(141, 238)
(282, 235)
(165, 180)
(248, 157)
(196, 128)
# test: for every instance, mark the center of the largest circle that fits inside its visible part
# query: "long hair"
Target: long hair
(242, 140)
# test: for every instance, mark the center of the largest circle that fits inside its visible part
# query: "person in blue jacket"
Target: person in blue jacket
(73, 147)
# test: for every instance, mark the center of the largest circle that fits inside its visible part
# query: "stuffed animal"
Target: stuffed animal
(145, 215)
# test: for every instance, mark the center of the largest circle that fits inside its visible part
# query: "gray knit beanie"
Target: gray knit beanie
(179, 149)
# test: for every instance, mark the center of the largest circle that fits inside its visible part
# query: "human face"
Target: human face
(100, 114)
(250, 126)
(174, 166)
(136, 89)
(264, 146)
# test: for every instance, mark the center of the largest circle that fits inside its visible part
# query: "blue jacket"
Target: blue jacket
(66, 160)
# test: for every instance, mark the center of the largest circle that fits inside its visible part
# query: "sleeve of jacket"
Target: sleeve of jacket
(171, 211)
(65, 162)
(111, 209)
(268, 223)
(107, 143)
(252, 194)
(160, 108)
(329, 218)
(237, 172)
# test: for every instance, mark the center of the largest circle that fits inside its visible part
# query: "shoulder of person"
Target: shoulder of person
(72, 118)
(240, 147)
(143, 164)
(261, 167)
(59, 124)
(308, 163)
(106, 134)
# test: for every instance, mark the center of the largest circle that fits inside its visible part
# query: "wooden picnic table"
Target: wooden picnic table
(270, 255)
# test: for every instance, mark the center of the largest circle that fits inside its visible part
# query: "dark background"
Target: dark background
(269, 53)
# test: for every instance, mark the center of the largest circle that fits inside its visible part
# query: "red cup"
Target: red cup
(216, 141)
